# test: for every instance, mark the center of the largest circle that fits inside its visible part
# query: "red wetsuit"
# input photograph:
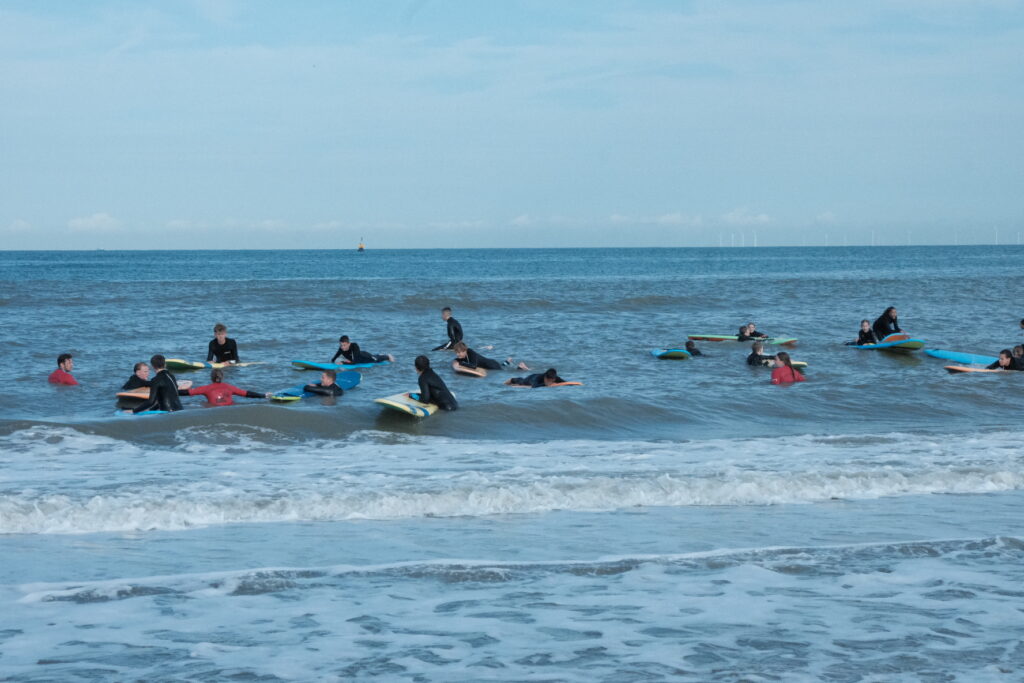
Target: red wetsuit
(785, 375)
(220, 393)
(58, 376)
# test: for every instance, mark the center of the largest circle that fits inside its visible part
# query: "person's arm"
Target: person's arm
(234, 348)
(425, 395)
(336, 354)
(993, 366)
(896, 325)
(777, 376)
(209, 350)
(150, 403)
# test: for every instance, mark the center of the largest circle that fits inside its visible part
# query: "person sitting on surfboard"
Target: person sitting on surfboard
(432, 388)
(784, 372)
(1004, 362)
(223, 349)
(865, 336)
(691, 348)
(886, 324)
(469, 358)
(537, 380)
(327, 386)
(139, 378)
(352, 354)
(218, 393)
(62, 375)
(163, 389)
(454, 330)
(758, 358)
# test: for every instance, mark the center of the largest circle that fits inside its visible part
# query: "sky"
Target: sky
(425, 123)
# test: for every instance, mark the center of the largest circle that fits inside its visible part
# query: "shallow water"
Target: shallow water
(668, 520)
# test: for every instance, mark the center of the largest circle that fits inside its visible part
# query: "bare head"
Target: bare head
(141, 371)
(220, 331)
(327, 377)
(446, 313)
(65, 362)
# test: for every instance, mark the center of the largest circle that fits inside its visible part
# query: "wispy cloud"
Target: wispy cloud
(743, 216)
(98, 222)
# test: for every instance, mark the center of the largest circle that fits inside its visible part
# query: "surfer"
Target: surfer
(1005, 361)
(886, 324)
(1018, 356)
(749, 332)
(327, 386)
(454, 330)
(223, 349)
(163, 389)
(352, 354)
(691, 348)
(758, 358)
(139, 378)
(469, 358)
(62, 375)
(432, 388)
(784, 372)
(537, 380)
(218, 393)
(865, 336)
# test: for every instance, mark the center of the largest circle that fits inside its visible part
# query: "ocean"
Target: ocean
(668, 520)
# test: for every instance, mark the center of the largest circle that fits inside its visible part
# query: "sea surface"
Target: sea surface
(668, 520)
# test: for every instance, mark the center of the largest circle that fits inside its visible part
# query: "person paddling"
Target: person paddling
(535, 381)
(1004, 362)
(352, 354)
(469, 358)
(784, 372)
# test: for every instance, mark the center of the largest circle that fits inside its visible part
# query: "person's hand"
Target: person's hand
(267, 395)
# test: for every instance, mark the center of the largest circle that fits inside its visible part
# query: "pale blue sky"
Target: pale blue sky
(456, 124)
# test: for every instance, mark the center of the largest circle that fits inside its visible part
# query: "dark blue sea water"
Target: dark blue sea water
(667, 520)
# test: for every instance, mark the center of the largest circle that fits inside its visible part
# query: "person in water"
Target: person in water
(454, 330)
(865, 336)
(468, 358)
(62, 375)
(1004, 362)
(163, 389)
(886, 324)
(221, 348)
(327, 385)
(691, 348)
(537, 380)
(139, 378)
(352, 354)
(1018, 356)
(784, 372)
(752, 331)
(218, 393)
(432, 388)
(756, 356)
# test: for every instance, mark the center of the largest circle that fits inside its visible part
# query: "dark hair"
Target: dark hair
(743, 330)
(63, 357)
(422, 363)
(459, 347)
(757, 347)
(1018, 349)
(865, 321)
(216, 375)
(158, 362)
(138, 366)
(343, 338)
(331, 373)
(551, 373)
(784, 357)
(446, 308)
(886, 312)
(220, 327)
(1007, 353)
(690, 345)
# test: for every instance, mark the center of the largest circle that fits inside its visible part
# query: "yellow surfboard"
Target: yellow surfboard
(403, 404)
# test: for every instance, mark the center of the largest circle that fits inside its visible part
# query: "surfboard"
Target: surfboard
(769, 363)
(182, 364)
(121, 413)
(312, 365)
(345, 380)
(959, 369)
(776, 341)
(403, 404)
(894, 342)
(141, 394)
(674, 354)
(964, 358)
(468, 372)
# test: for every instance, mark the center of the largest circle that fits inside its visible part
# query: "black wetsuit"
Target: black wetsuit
(866, 338)
(434, 390)
(759, 359)
(533, 381)
(885, 326)
(694, 352)
(163, 394)
(134, 382)
(454, 335)
(475, 360)
(224, 353)
(357, 355)
(321, 390)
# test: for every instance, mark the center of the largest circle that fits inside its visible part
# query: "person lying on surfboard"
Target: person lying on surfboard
(886, 324)
(351, 352)
(865, 336)
(1004, 362)
(758, 358)
(469, 358)
(218, 392)
(432, 388)
(784, 372)
(691, 348)
(223, 349)
(454, 330)
(327, 386)
(537, 380)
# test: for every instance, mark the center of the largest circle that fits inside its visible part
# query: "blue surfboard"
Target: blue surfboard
(965, 358)
(345, 380)
(675, 354)
(894, 342)
(121, 413)
(311, 365)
